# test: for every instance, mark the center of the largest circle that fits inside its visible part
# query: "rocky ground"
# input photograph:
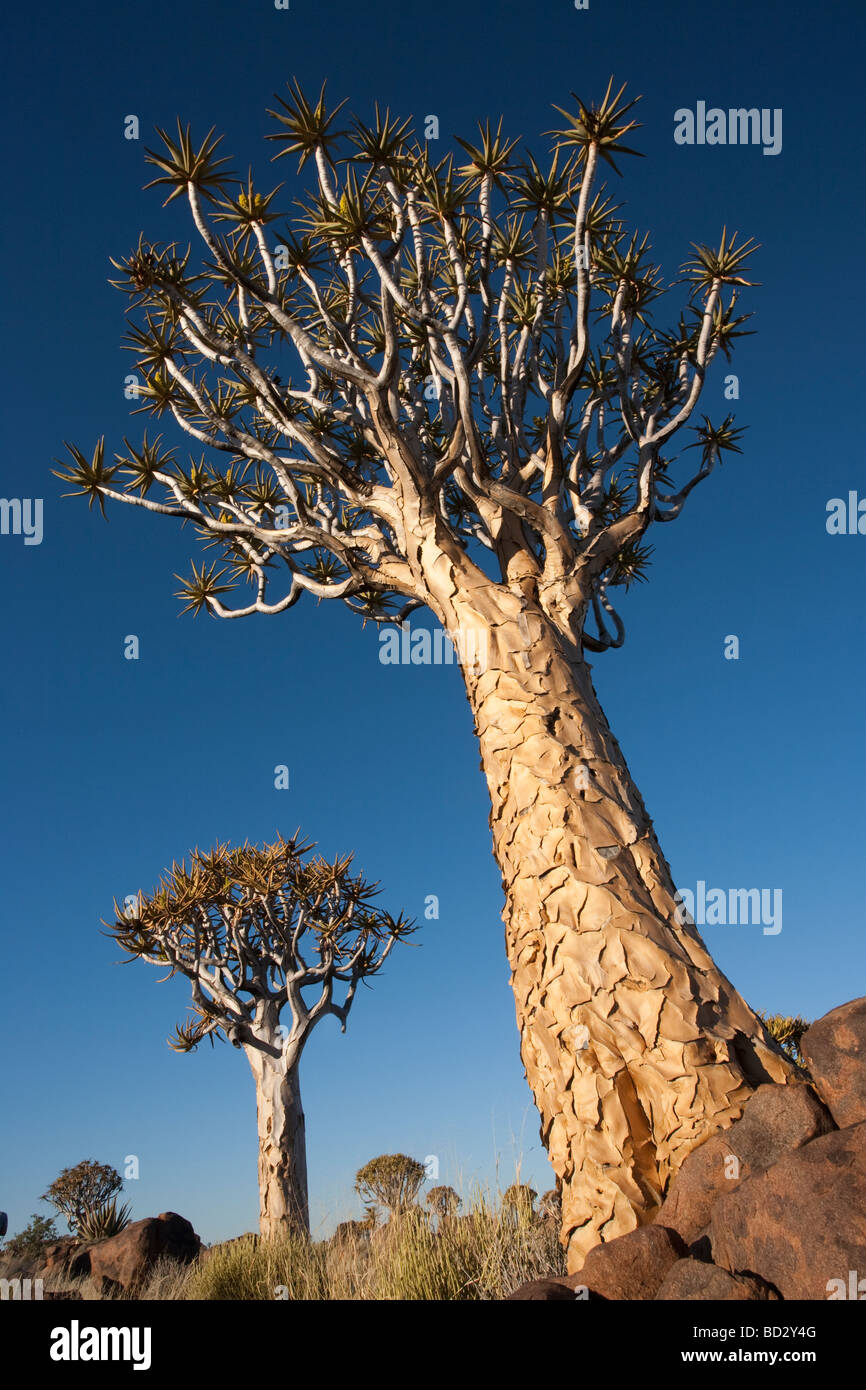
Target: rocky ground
(772, 1208)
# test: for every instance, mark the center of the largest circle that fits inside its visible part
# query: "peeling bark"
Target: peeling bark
(283, 1201)
(635, 1045)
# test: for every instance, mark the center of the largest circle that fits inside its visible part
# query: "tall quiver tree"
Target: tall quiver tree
(475, 413)
(253, 929)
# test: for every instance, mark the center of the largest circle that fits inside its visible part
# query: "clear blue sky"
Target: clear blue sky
(752, 769)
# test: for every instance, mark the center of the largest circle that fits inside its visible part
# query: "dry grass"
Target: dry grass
(484, 1254)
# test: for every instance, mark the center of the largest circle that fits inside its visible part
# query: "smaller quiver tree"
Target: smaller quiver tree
(443, 1203)
(518, 1202)
(550, 1207)
(390, 1182)
(80, 1191)
(253, 929)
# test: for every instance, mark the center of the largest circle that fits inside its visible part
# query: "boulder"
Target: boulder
(125, 1259)
(20, 1266)
(542, 1291)
(802, 1223)
(775, 1120)
(632, 1266)
(701, 1249)
(703, 1176)
(59, 1255)
(835, 1051)
(694, 1279)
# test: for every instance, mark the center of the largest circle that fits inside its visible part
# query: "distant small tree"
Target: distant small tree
(81, 1190)
(550, 1206)
(236, 923)
(391, 1182)
(443, 1202)
(519, 1200)
(40, 1232)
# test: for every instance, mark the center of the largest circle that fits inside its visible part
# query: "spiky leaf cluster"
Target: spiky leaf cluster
(251, 927)
(103, 1221)
(788, 1031)
(472, 340)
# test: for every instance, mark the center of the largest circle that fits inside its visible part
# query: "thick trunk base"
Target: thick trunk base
(635, 1045)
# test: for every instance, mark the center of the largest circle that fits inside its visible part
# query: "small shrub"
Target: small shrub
(40, 1232)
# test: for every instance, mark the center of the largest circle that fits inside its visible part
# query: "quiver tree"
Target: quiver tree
(390, 1182)
(252, 930)
(442, 385)
(518, 1201)
(80, 1191)
(788, 1032)
(550, 1206)
(443, 1203)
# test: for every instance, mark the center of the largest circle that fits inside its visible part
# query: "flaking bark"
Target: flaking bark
(635, 1045)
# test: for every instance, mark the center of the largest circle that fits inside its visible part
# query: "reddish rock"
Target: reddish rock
(631, 1266)
(802, 1223)
(703, 1176)
(125, 1259)
(60, 1254)
(542, 1291)
(835, 1051)
(775, 1120)
(694, 1279)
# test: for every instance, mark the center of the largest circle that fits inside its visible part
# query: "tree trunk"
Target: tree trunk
(636, 1047)
(283, 1202)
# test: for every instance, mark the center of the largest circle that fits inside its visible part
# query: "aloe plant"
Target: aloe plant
(101, 1222)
